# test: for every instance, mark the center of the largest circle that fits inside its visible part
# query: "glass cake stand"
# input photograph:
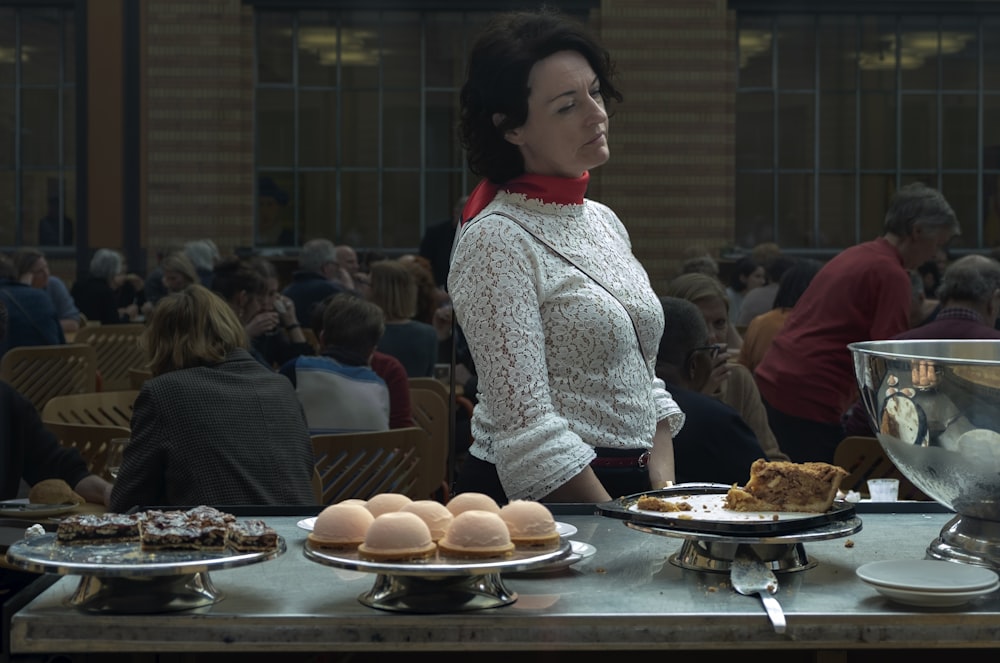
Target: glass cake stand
(439, 584)
(122, 578)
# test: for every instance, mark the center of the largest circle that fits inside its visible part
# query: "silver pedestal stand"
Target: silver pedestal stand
(122, 578)
(439, 584)
(704, 551)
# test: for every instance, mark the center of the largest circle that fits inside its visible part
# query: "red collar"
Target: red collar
(547, 188)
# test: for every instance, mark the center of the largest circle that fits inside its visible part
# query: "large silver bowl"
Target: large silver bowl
(936, 407)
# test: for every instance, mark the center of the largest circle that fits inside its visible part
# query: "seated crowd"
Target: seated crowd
(245, 371)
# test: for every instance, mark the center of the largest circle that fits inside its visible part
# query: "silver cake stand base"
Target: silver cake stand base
(144, 594)
(431, 595)
(439, 584)
(702, 551)
(968, 540)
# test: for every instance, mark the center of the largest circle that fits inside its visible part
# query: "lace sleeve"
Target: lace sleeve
(496, 283)
(666, 407)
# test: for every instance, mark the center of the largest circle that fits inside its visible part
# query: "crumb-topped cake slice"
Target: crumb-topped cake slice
(175, 531)
(783, 486)
(98, 528)
(252, 536)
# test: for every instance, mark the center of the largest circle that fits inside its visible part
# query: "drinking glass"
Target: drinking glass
(116, 449)
(883, 490)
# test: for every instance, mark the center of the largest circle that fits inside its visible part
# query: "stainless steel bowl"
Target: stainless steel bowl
(936, 407)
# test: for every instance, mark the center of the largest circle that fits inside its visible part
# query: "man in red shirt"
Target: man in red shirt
(807, 379)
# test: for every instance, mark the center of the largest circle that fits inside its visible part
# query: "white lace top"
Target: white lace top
(560, 369)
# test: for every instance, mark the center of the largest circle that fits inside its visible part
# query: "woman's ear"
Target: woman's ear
(512, 136)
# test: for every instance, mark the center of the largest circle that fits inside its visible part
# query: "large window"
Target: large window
(836, 111)
(355, 124)
(37, 127)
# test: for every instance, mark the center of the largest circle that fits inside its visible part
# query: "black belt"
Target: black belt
(621, 458)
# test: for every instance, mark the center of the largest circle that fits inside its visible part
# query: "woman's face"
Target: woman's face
(716, 315)
(755, 279)
(39, 273)
(566, 132)
(174, 281)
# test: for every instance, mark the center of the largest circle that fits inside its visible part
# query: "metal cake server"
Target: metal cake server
(749, 576)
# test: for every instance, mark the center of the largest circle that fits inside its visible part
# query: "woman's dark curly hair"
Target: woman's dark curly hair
(497, 82)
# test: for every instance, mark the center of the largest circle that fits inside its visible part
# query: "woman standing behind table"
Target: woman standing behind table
(565, 366)
(212, 426)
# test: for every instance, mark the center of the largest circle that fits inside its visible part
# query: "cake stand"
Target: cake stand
(122, 578)
(713, 533)
(439, 584)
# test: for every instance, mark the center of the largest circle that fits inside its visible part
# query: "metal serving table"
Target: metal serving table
(627, 596)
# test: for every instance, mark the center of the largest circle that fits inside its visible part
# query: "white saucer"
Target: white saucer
(565, 530)
(307, 523)
(928, 575)
(935, 599)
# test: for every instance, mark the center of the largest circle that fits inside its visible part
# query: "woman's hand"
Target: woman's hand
(719, 374)
(262, 323)
(285, 308)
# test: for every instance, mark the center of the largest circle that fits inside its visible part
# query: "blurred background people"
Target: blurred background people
(862, 294)
(761, 300)
(385, 366)
(413, 343)
(728, 381)
(212, 426)
(747, 275)
(31, 315)
(763, 328)
(319, 275)
(108, 294)
(245, 290)
(281, 342)
(338, 390)
(715, 443)
(33, 270)
(436, 243)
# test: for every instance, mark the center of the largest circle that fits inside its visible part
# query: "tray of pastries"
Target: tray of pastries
(147, 543)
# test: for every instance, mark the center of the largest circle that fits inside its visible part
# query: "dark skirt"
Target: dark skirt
(621, 471)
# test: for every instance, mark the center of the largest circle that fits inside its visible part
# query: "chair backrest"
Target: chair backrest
(40, 372)
(360, 465)
(102, 408)
(430, 412)
(865, 459)
(90, 441)
(433, 384)
(136, 376)
(118, 350)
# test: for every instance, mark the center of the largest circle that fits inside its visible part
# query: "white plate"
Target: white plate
(22, 509)
(565, 530)
(933, 599)
(927, 575)
(580, 551)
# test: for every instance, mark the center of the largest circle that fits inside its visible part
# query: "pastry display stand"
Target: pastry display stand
(439, 584)
(712, 534)
(122, 578)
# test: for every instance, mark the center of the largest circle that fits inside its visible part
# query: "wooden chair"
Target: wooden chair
(118, 350)
(103, 408)
(91, 441)
(865, 459)
(433, 384)
(361, 465)
(430, 412)
(136, 376)
(40, 372)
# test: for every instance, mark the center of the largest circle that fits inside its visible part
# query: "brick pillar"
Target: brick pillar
(671, 173)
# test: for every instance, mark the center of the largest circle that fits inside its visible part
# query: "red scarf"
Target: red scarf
(547, 188)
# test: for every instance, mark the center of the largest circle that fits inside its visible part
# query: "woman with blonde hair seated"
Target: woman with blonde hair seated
(729, 381)
(212, 426)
